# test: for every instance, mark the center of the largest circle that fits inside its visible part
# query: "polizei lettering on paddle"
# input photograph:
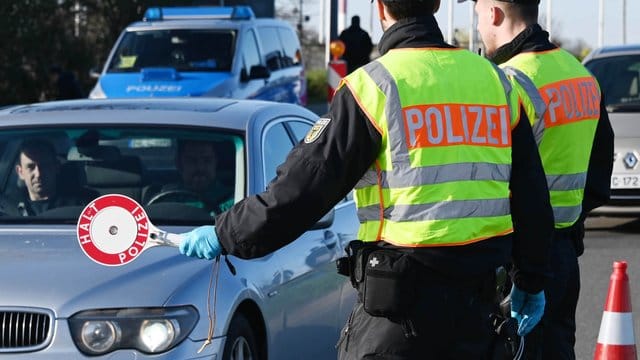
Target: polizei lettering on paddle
(126, 209)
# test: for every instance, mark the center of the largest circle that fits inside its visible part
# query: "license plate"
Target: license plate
(625, 181)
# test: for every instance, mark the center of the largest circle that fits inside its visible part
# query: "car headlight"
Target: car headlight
(150, 330)
(157, 335)
(99, 336)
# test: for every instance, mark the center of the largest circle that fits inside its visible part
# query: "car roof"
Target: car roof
(209, 112)
(617, 50)
(204, 24)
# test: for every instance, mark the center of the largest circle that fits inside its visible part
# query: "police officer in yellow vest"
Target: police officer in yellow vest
(448, 184)
(575, 141)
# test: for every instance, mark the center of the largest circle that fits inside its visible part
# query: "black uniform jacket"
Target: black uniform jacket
(317, 175)
(597, 189)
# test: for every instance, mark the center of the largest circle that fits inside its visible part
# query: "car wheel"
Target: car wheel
(241, 341)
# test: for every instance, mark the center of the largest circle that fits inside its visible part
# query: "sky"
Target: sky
(572, 20)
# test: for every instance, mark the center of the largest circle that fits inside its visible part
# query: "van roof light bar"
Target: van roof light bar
(241, 12)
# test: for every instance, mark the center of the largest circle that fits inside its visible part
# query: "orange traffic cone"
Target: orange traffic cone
(616, 340)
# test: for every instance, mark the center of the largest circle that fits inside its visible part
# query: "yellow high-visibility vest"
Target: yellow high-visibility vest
(442, 175)
(565, 132)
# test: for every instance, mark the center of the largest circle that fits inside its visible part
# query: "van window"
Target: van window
(249, 52)
(182, 49)
(291, 46)
(271, 47)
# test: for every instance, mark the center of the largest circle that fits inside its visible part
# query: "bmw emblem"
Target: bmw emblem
(630, 160)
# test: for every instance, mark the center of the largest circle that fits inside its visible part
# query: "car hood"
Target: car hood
(160, 82)
(45, 267)
(625, 124)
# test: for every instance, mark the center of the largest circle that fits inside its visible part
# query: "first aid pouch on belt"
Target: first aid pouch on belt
(388, 288)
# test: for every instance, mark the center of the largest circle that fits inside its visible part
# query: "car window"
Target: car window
(182, 49)
(619, 78)
(178, 175)
(276, 145)
(271, 47)
(292, 54)
(299, 129)
(249, 52)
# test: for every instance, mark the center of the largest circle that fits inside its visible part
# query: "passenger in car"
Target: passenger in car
(39, 169)
(197, 163)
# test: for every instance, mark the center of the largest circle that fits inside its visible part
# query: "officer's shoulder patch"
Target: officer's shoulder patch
(316, 130)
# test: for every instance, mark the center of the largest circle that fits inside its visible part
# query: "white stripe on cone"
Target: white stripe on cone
(616, 329)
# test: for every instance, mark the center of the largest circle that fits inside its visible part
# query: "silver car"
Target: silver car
(56, 303)
(617, 69)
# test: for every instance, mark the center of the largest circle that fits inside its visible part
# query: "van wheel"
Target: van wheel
(241, 341)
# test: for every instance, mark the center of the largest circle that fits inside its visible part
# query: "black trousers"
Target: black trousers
(558, 325)
(449, 322)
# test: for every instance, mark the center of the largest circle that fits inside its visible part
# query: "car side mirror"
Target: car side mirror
(259, 72)
(94, 73)
(326, 221)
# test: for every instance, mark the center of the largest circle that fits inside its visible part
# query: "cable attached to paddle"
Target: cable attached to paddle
(211, 314)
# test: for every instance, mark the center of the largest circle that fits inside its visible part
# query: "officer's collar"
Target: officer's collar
(532, 38)
(412, 32)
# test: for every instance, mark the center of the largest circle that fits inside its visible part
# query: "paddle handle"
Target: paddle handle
(163, 238)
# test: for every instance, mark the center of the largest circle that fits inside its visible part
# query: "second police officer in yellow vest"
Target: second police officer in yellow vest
(448, 184)
(575, 141)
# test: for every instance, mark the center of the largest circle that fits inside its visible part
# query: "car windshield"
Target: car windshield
(180, 176)
(619, 79)
(183, 50)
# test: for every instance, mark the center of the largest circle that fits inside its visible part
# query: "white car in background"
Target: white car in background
(617, 69)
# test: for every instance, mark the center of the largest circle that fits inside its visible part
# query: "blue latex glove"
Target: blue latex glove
(201, 242)
(527, 309)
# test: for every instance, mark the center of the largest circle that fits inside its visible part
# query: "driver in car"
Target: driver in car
(197, 163)
(38, 168)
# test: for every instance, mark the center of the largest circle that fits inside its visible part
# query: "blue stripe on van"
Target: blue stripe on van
(127, 85)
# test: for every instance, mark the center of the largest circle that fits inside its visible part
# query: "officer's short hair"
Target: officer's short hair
(402, 9)
(527, 12)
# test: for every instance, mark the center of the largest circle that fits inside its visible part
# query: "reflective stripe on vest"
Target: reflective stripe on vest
(442, 175)
(565, 132)
(533, 102)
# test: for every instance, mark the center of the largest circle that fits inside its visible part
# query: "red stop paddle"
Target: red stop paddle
(114, 230)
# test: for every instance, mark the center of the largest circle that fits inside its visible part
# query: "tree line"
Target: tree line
(75, 35)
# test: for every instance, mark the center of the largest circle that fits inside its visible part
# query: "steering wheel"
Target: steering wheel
(180, 195)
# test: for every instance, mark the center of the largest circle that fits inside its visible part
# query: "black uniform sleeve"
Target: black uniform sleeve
(314, 177)
(598, 187)
(530, 210)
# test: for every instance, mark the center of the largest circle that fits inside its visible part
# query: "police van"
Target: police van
(205, 51)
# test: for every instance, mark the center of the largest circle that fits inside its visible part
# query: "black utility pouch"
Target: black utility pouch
(389, 284)
(353, 264)
(345, 265)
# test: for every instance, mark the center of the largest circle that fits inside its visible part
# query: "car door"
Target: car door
(311, 289)
(345, 226)
(293, 74)
(248, 56)
(276, 87)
